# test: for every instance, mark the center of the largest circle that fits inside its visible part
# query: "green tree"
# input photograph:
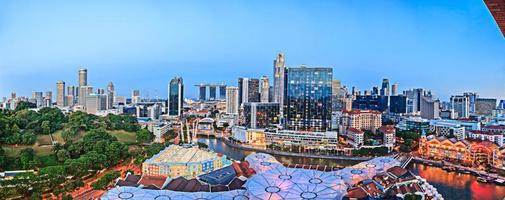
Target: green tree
(62, 155)
(27, 156)
(144, 136)
(46, 127)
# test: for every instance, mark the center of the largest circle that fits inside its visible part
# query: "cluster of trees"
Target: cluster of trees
(22, 125)
(377, 151)
(105, 180)
(409, 137)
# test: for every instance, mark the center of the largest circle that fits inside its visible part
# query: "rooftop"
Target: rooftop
(180, 154)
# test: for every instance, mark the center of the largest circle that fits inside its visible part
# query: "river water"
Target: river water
(451, 185)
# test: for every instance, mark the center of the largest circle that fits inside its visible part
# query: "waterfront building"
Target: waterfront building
(369, 102)
(355, 137)
(485, 106)
(255, 137)
(175, 97)
(470, 153)
(495, 137)
(260, 115)
(135, 96)
(232, 104)
(279, 82)
(307, 104)
(303, 139)
(460, 106)
(369, 120)
(248, 90)
(60, 94)
(186, 161)
(265, 89)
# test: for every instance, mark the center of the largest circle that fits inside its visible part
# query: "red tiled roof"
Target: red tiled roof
(157, 181)
(497, 9)
(356, 193)
(397, 171)
(499, 127)
(354, 130)
(357, 111)
(485, 132)
(387, 129)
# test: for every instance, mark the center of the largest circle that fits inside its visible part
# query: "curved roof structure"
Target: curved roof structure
(274, 181)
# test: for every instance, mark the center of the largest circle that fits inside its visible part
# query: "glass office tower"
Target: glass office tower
(307, 102)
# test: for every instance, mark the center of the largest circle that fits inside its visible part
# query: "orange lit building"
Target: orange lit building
(361, 119)
(470, 153)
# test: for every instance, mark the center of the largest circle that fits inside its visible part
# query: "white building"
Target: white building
(232, 100)
(487, 136)
(460, 106)
(447, 128)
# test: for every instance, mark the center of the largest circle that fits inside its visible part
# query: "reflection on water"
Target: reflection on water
(219, 146)
(453, 185)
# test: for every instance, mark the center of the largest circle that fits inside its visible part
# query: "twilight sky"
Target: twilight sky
(447, 46)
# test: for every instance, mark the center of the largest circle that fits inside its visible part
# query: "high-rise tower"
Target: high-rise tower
(175, 97)
(83, 77)
(265, 89)
(279, 74)
(60, 94)
(110, 95)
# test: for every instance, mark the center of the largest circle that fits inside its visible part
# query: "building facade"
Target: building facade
(361, 119)
(307, 99)
(265, 89)
(460, 106)
(260, 115)
(279, 82)
(61, 101)
(232, 104)
(175, 97)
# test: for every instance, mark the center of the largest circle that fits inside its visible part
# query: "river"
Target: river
(451, 185)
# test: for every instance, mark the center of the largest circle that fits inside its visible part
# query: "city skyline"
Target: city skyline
(472, 45)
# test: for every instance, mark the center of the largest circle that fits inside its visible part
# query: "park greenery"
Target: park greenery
(409, 139)
(88, 147)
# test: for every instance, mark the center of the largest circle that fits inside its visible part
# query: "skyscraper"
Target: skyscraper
(248, 90)
(232, 100)
(212, 92)
(307, 103)
(110, 95)
(175, 97)
(222, 92)
(472, 99)
(60, 94)
(39, 98)
(84, 91)
(279, 75)
(48, 99)
(83, 77)
(385, 87)
(260, 115)
(394, 89)
(135, 96)
(265, 89)
(460, 106)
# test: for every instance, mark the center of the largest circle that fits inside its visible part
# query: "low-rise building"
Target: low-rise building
(389, 136)
(495, 137)
(185, 161)
(355, 137)
(448, 128)
(307, 139)
(361, 119)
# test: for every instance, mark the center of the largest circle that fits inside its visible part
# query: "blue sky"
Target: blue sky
(446, 46)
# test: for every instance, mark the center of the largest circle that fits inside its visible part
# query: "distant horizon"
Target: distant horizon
(448, 47)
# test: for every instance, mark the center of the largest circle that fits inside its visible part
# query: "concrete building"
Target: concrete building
(388, 136)
(494, 137)
(355, 137)
(232, 104)
(159, 129)
(361, 119)
(71, 95)
(83, 77)
(186, 161)
(485, 106)
(48, 99)
(176, 97)
(385, 87)
(60, 94)
(430, 108)
(394, 89)
(265, 89)
(95, 103)
(279, 76)
(460, 106)
(39, 98)
(111, 93)
(449, 128)
(136, 96)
